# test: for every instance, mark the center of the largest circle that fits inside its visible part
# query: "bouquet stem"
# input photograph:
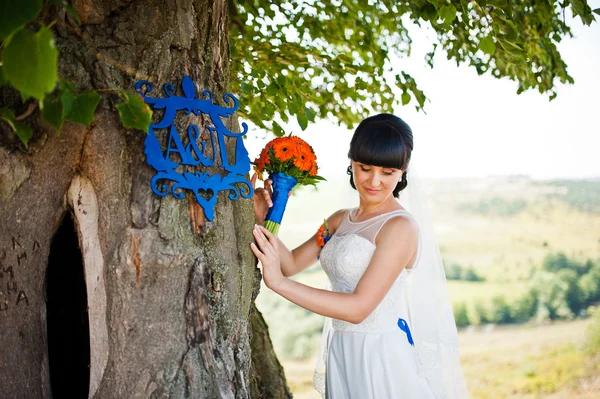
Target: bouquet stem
(272, 226)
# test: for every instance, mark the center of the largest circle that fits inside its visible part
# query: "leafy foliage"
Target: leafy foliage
(15, 14)
(564, 288)
(52, 112)
(461, 315)
(23, 131)
(339, 58)
(500, 312)
(82, 108)
(29, 63)
(134, 113)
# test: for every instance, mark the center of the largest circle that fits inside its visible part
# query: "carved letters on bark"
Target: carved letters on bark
(10, 261)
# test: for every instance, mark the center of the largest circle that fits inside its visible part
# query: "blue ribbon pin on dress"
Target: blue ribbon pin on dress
(404, 327)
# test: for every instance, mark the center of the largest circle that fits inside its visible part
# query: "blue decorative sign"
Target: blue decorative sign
(196, 152)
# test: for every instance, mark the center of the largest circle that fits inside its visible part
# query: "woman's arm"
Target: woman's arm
(305, 255)
(396, 245)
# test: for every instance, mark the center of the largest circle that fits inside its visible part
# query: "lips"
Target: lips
(368, 190)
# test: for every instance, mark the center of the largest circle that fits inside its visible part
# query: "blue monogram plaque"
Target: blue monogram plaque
(196, 152)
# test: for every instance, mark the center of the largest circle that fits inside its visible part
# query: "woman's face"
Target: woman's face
(375, 183)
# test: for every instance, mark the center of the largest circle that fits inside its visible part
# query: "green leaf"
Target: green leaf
(246, 88)
(272, 90)
(65, 85)
(405, 98)
(67, 99)
(597, 11)
(487, 45)
(309, 114)
(16, 13)
(302, 120)
(24, 132)
(277, 129)
(30, 62)
(83, 108)
(448, 13)
(52, 112)
(134, 112)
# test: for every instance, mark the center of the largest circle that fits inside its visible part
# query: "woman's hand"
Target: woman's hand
(267, 253)
(262, 199)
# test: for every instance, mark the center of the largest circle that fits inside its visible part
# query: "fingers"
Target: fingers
(270, 236)
(263, 241)
(265, 194)
(269, 186)
(257, 252)
(268, 196)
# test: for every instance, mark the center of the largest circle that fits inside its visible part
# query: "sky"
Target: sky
(477, 126)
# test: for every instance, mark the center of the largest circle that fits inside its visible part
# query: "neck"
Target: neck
(370, 208)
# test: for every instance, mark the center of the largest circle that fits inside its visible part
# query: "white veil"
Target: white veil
(433, 327)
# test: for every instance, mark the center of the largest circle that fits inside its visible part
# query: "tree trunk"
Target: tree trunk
(95, 270)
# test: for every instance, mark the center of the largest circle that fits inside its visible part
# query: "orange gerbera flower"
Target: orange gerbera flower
(304, 160)
(313, 170)
(300, 145)
(283, 149)
(262, 160)
(264, 155)
(321, 236)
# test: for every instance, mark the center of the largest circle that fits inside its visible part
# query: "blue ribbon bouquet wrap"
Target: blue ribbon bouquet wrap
(282, 185)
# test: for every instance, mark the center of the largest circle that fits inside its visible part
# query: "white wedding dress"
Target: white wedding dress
(376, 358)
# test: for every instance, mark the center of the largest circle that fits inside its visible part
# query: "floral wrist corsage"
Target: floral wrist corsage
(323, 235)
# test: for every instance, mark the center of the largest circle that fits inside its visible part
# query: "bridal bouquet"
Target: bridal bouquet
(288, 161)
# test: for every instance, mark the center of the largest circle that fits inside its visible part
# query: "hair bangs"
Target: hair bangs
(383, 147)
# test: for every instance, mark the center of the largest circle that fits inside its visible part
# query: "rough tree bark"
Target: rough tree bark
(169, 294)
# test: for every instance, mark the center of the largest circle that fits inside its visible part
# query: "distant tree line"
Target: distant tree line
(579, 194)
(455, 271)
(495, 206)
(563, 288)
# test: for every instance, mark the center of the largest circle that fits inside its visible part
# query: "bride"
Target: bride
(389, 330)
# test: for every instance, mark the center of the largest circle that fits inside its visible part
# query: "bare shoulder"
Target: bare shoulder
(398, 228)
(335, 219)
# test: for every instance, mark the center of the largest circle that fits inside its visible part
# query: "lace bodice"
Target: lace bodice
(346, 257)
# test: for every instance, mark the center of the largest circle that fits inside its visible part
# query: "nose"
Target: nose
(375, 180)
